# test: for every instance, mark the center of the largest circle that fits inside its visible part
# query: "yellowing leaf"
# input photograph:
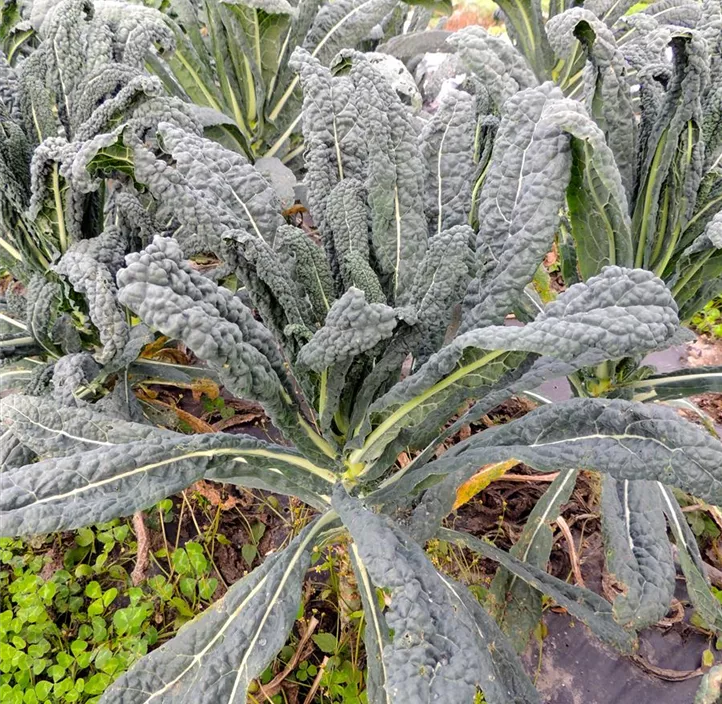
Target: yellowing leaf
(204, 386)
(152, 349)
(485, 476)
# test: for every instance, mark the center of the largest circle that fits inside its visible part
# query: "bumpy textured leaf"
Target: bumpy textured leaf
(598, 209)
(501, 68)
(275, 294)
(376, 632)
(524, 23)
(90, 266)
(585, 605)
(697, 275)
(395, 179)
(42, 298)
(348, 220)
(323, 155)
(356, 272)
(613, 315)
(207, 188)
(607, 96)
(344, 24)
(215, 657)
(624, 439)
(609, 11)
(439, 648)
(516, 604)
(307, 265)
(520, 202)
(352, 326)
(70, 374)
(53, 429)
(169, 296)
(672, 156)
(447, 146)
(412, 44)
(439, 286)
(638, 553)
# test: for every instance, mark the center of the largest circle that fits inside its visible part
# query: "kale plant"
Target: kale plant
(376, 334)
(651, 82)
(646, 179)
(233, 56)
(65, 229)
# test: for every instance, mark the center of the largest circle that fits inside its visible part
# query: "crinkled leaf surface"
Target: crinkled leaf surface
(352, 326)
(519, 203)
(439, 648)
(447, 145)
(98, 467)
(499, 66)
(638, 553)
(624, 439)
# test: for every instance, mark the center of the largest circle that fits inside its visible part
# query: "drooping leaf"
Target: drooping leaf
(167, 295)
(112, 480)
(352, 326)
(624, 439)
(516, 603)
(439, 648)
(690, 559)
(598, 209)
(90, 266)
(680, 383)
(376, 632)
(638, 553)
(208, 189)
(607, 93)
(585, 605)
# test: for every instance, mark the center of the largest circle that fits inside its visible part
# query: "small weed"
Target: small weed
(70, 619)
(709, 320)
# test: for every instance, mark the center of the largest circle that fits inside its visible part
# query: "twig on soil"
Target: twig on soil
(316, 682)
(573, 558)
(268, 690)
(142, 559)
(663, 673)
(693, 507)
(530, 477)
